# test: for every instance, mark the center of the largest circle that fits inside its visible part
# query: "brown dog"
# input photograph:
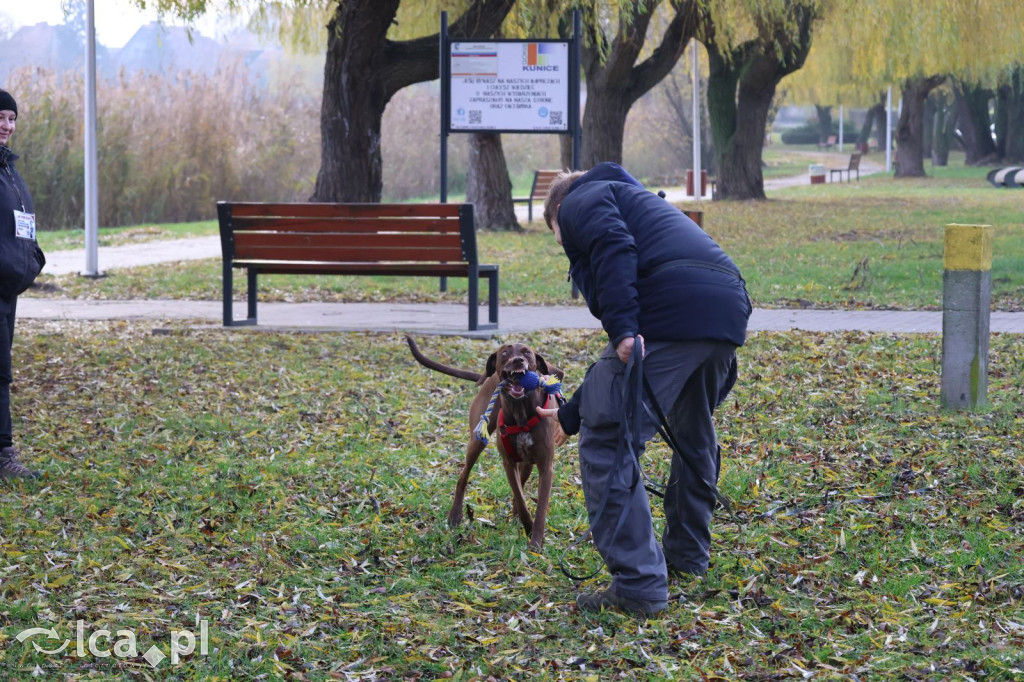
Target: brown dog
(525, 439)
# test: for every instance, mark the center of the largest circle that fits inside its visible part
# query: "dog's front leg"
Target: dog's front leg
(518, 499)
(545, 477)
(473, 450)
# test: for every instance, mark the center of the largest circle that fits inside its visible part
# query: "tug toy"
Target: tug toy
(530, 381)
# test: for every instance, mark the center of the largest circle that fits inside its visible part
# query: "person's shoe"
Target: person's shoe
(607, 599)
(10, 467)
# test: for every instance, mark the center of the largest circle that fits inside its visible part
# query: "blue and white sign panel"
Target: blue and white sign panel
(510, 86)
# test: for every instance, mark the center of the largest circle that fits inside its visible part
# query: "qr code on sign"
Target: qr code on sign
(556, 118)
(475, 116)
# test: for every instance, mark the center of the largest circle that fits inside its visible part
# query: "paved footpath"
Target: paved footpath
(420, 318)
(451, 318)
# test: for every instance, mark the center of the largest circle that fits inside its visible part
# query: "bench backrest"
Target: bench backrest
(348, 233)
(854, 161)
(542, 180)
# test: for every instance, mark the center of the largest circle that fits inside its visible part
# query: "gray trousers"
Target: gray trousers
(689, 380)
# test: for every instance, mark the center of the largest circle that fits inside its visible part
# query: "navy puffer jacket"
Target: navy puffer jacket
(644, 267)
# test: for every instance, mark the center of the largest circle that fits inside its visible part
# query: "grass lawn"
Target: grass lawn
(286, 494)
(291, 491)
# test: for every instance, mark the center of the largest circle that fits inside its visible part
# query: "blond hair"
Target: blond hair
(556, 193)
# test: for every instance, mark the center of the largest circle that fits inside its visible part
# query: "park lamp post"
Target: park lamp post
(91, 191)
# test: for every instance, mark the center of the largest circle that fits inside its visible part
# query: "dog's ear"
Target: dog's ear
(492, 364)
(545, 368)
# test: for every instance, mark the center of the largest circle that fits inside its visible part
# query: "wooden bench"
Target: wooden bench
(853, 166)
(542, 180)
(829, 142)
(416, 240)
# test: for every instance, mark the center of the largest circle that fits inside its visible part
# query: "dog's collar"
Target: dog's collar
(506, 431)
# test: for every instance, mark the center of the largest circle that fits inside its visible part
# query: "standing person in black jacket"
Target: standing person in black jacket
(21, 259)
(662, 287)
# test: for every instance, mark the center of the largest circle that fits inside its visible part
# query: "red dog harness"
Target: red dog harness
(506, 431)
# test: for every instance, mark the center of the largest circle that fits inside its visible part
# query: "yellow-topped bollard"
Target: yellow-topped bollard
(966, 300)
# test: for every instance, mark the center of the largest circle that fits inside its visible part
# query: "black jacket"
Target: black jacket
(20, 259)
(644, 267)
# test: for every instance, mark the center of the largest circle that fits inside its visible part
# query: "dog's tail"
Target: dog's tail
(443, 369)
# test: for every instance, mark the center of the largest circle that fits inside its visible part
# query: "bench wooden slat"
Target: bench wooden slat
(346, 225)
(359, 241)
(371, 255)
(318, 210)
(321, 268)
(436, 240)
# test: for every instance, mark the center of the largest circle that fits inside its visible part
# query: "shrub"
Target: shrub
(168, 148)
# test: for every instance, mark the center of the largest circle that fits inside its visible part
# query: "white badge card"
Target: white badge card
(25, 225)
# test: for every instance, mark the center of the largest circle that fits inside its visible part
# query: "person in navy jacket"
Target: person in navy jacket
(660, 284)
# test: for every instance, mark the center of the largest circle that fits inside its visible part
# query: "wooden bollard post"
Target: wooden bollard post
(966, 299)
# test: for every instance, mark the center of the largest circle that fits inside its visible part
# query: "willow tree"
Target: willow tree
(370, 55)
(620, 67)
(751, 47)
(918, 44)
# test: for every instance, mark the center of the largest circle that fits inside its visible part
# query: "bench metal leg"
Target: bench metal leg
(475, 275)
(229, 315)
(474, 294)
(229, 318)
(492, 298)
(252, 296)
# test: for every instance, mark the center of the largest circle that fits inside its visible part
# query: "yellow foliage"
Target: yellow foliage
(862, 46)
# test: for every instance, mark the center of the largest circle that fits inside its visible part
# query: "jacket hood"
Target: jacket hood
(606, 172)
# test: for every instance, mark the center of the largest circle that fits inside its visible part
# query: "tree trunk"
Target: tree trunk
(1014, 151)
(487, 184)
(974, 122)
(615, 82)
(928, 128)
(942, 135)
(741, 87)
(910, 127)
(824, 123)
(362, 71)
(875, 113)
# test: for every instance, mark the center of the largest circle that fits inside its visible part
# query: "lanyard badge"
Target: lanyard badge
(25, 225)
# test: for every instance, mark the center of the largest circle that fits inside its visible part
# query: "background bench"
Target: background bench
(422, 240)
(853, 166)
(542, 180)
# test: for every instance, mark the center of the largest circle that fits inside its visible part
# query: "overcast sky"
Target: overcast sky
(116, 20)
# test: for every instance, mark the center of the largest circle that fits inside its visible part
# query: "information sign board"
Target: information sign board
(510, 86)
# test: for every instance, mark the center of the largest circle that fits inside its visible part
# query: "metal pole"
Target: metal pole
(840, 128)
(91, 193)
(888, 130)
(697, 185)
(445, 102)
(577, 124)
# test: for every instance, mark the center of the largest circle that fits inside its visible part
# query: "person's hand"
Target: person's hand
(552, 413)
(625, 348)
